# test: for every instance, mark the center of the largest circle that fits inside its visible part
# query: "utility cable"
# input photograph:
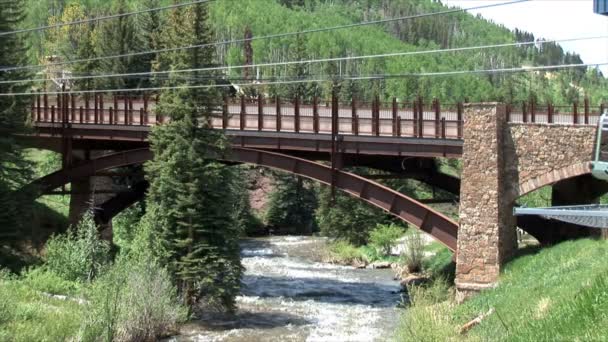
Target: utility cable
(272, 36)
(107, 17)
(324, 79)
(310, 61)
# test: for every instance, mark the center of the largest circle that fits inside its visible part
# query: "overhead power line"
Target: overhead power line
(272, 36)
(107, 17)
(310, 61)
(322, 79)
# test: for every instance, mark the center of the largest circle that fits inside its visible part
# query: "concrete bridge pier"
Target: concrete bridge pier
(84, 197)
(487, 235)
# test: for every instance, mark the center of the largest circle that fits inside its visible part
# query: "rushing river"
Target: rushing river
(288, 296)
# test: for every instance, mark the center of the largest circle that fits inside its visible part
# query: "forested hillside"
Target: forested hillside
(236, 19)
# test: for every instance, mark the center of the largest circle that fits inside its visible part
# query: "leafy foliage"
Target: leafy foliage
(346, 218)
(79, 255)
(384, 237)
(134, 301)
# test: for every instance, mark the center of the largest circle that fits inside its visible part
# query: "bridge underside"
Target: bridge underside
(419, 215)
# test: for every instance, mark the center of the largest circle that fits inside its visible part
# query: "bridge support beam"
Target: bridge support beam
(487, 236)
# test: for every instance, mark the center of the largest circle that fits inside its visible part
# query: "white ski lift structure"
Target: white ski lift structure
(593, 215)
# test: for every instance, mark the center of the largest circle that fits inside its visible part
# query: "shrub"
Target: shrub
(44, 280)
(80, 254)
(429, 316)
(134, 301)
(384, 237)
(343, 252)
(413, 255)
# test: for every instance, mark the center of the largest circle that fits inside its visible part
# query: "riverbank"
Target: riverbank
(551, 294)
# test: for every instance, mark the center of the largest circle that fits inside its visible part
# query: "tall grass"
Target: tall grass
(556, 294)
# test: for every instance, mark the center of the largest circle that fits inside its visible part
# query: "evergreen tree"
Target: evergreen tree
(292, 205)
(346, 218)
(14, 170)
(149, 26)
(119, 37)
(191, 195)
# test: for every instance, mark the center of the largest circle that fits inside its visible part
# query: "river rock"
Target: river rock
(414, 280)
(380, 264)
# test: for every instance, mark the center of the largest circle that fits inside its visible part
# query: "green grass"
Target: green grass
(555, 294)
(26, 314)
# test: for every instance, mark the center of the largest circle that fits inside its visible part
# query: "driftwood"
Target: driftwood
(476, 321)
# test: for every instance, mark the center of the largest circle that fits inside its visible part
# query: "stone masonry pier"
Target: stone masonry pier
(501, 162)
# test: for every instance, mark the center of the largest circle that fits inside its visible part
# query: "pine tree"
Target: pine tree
(292, 205)
(190, 194)
(119, 37)
(14, 170)
(149, 27)
(346, 218)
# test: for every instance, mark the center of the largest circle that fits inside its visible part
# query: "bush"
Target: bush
(80, 254)
(44, 280)
(413, 255)
(384, 237)
(343, 252)
(429, 316)
(133, 301)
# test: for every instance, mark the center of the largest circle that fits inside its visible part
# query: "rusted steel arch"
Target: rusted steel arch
(89, 168)
(426, 219)
(105, 212)
(421, 216)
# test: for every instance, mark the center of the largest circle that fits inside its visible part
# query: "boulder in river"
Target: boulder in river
(414, 280)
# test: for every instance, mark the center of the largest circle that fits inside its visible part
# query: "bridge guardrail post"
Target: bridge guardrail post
(296, 118)
(398, 127)
(130, 111)
(279, 119)
(141, 116)
(38, 109)
(146, 109)
(550, 110)
(442, 128)
(53, 114)
(224, 111)
(58, 108)
(115, 101)
(111, 115)
(376, 116)
(87, 105)
(101, 109)
(243, 115)
(602, 107)
(533, 110)
(524, 112)
(96, 108)
(33, 111)
(415, 118)
(420, 117)
(459, 123)
(394, 114)
(73, 106)
(575, 113)
(437, 117)
(315, 114)
(260, 112)
(586, 103)
(354, 116)
(46, 107)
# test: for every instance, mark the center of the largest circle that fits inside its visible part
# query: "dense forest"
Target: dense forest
(181, 244)
(235, 20)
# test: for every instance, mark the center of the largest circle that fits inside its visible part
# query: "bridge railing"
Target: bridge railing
(376, 118)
